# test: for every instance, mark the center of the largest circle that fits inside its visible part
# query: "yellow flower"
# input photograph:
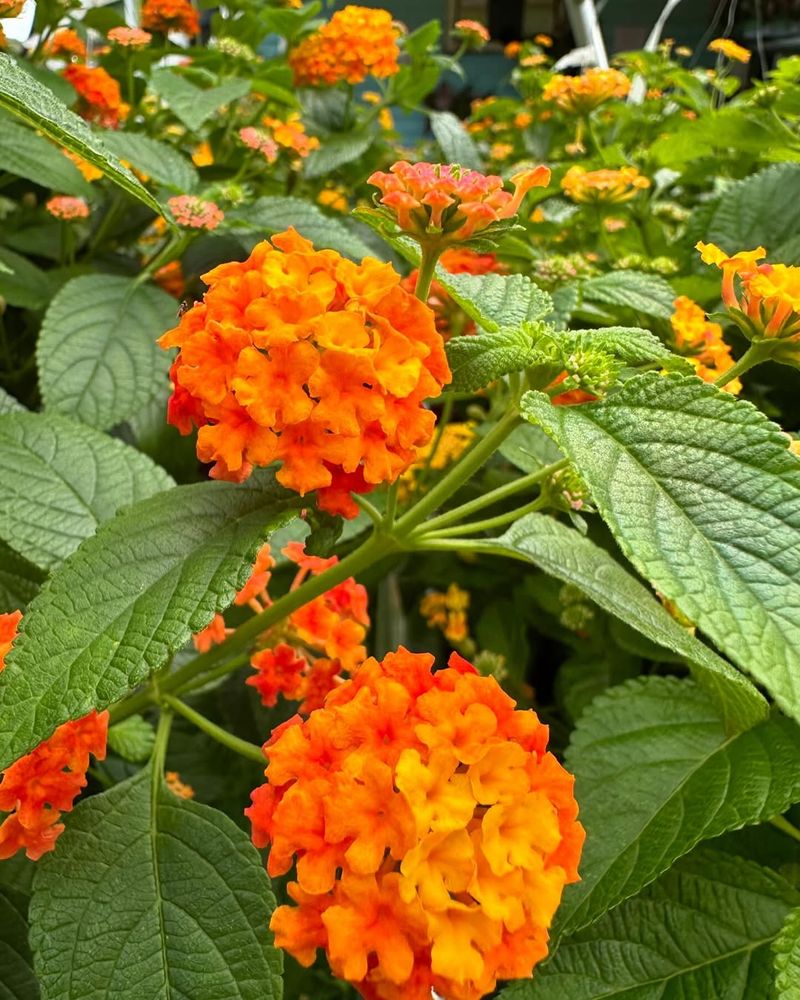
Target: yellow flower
(203, 155)
(609, 186)
(729, 49)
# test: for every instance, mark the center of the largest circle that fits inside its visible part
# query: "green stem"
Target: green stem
(221, 671)
(458, 474)
(494, 496)
(242, 747)
(169, 252)
(427, 268)
(754, 355)
(472, 527)
(391, 507)
(369, 509)
(441, 423)
(159, 753)
(595, 141)
(783, 824)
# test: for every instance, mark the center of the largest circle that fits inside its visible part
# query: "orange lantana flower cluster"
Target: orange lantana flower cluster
(356, 43)
(610, 187)
(433, 199)
(701, 341)
(170, 15)
(763, 299)
(447, 611)
(432, 832)
(65, 42)
(130, 38)
(99, 94)
(304, 357)
(67, 208)
(291, 134)
(730, 49)
(194, 212)
(579, 95)
(39, 787)
(471, 33)
(261, 141)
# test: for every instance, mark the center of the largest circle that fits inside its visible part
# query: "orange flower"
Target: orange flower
(39, 787)
(579, 95)
(67, 208)
(88, 170)
(728, 48)
(608, 186)
(178, 787)
(203, 154)
(99, 95)
(763, 299)
(195, 213)
(304, 357)
(432, 832)
(170, 15)
(701, 341)
(258, 139)
(512, 50)
(170, 278)
(66, 42)
(472, 33)
(131, 38)
(291, 134)
(428, 200)
(356, 43)
(544, 40)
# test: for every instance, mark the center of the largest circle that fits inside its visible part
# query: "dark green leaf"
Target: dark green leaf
(17, 981)
(191, 104)
(33, 158)
(21, 283)
(153, 158)
(19, 580)
(787, 958)
(761, 210)
(336, 151)
(132, 739)
(644, 293)
(455, 142)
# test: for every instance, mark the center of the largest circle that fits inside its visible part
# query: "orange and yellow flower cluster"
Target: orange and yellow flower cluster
(437, 455)
(170, 15)
(356, 43)
(730, 49)
(39, 787)
(100, 100)
(447, 611)
(472, 34)
(65, 42)
(763, 299)
(130, 38)
(67, 208)
(701, 341)
(434, 200)
(195, 213)
(290, 134)
(433, 833)
(610, 187)
(306, 358)
(578, 95)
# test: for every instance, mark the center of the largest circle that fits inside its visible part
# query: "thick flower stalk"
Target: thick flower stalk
(701, 341)
(432, 832)
(170, 15)
(356, 43)
(303, 357)
(39, 787)
(579, 95)
(609, 187)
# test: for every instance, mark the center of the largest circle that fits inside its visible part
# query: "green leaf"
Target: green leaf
(155, 159)
(23, 284)
(529, 448)
(17, 981)
(8, 404)
(191, 104)
(644, 293)
(703, 931)
(631, 344)
(786, 950)
(129, 597)
(761, 210)
(335, 152)
(455, 142)
(567, 555)
(97, 352)
(149, 895)
(655, 774)
(274, 215)
(703, 496)
(31, 101)
(477, 361)
(133, 738)
(496, 300)
(19, 580)
(59, 479)
(33, 158)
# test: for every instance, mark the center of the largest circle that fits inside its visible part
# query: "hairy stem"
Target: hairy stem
(222, 736)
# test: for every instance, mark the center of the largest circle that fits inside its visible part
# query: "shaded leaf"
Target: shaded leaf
(32, 157)
(455, 142)
(644, 293)
(155, 159)
(191, 104)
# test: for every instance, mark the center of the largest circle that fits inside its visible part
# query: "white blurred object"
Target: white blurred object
(18, 29)
(582, 16)
(639, 85)
(583, 56)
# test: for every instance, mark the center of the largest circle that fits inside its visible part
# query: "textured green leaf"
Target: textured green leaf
(32, 157)
(335, 152)
(17, 981)
(565, 554)
(761, 210)
(191, 104)
(455, 142)
(97, 353)
(787, 958)
(59, 479)
(631, 344)
(19, 580)
(22, 284)
(128, 597)
(477, 361)
(133, 738)
(31, 101)
(703, 496)
(702, 932)
(155, 159)
(8, 404)
(655, 774)
(496, 300)
(644, 293)
(529, 448)
(273, 215)
(149, 895)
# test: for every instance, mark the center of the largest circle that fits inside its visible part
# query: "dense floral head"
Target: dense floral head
(448, 203)
(290, 133)
(39, 787)
(260, 140)
(581, 94)
(472, 34)
(100, 100)
(607, 186)
(356, 43)
(304, 357)
(67, 208)
(763, 299)
(701, 341)
(131, 38)
(195, 213)
(66, 42)
(728, 48)
(432, 832)
(170, 15)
